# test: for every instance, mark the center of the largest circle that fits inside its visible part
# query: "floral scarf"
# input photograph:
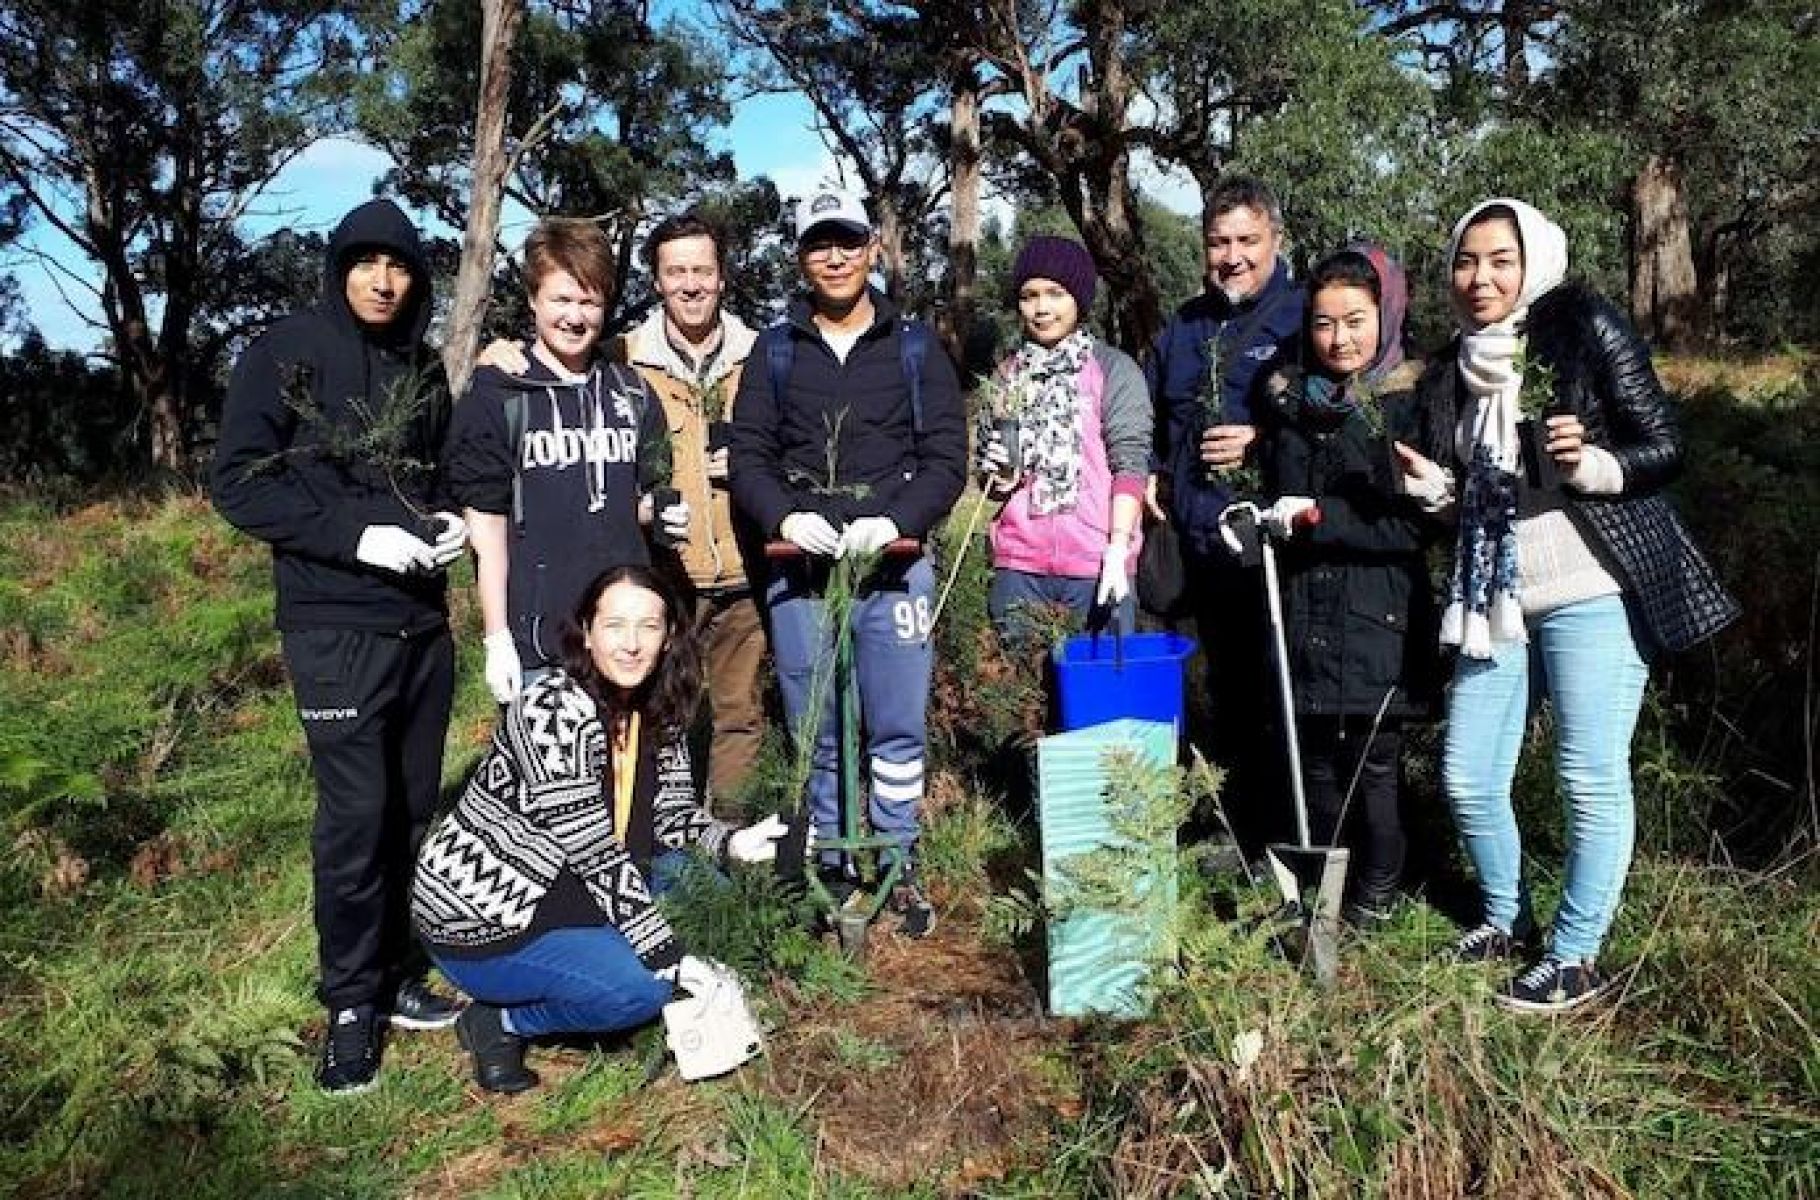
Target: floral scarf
(1047, 381)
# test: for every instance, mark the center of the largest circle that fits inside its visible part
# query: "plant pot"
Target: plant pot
(1009, 430)
(719, 434)
(662, 498)
(1539, 470)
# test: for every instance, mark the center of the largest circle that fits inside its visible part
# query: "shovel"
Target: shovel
(1311, 878)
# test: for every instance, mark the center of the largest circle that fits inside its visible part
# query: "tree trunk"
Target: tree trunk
(890, 243)
(1664, 290)
(500, 22)
(964, 214)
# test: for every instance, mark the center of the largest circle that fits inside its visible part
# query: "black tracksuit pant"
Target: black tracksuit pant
(1243, 735)
(375, 709)
(1331, 748)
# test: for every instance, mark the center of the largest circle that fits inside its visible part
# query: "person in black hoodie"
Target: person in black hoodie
(556, 455)
(334, 419)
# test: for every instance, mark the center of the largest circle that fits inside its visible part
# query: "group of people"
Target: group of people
(652, 514)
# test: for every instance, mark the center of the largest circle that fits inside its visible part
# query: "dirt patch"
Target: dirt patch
(937, 1075)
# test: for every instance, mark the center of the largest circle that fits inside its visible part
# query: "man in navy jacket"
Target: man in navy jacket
(849, 433)
(1250, 312)
(334, 418)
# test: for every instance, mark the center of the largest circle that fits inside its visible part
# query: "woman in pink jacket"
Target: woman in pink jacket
(1073, 482)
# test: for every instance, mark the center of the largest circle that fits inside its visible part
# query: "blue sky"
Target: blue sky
(769, 135)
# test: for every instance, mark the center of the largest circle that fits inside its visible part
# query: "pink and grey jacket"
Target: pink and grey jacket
(1115, 418)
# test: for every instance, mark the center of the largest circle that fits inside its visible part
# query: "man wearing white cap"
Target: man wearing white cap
(849, 434)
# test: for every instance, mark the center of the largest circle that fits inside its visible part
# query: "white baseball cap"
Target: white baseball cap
(845, 209)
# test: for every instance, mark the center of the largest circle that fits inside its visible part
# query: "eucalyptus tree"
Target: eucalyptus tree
(142, 135)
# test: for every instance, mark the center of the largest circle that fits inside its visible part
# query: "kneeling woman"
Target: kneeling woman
(531, 893)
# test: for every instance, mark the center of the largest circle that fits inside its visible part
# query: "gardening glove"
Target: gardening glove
(452, 539)
(1114, 585)
(710, 1029)
(673, 521)
(867, 535)
(393, 549)
(1279, 520)
(811, 533)
(1423, 479)
(505, 674)
(757, 843)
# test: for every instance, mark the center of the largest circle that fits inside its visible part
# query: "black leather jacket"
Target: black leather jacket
(1603, 375)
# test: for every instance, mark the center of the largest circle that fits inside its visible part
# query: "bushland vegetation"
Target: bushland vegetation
(156, 962)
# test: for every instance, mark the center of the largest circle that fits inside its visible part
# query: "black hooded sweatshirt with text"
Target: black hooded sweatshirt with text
(330, 427)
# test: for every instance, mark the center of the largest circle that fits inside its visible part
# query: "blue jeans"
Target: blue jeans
(892, 661)
(1593, 672)
(582, 980)
(1013, 591)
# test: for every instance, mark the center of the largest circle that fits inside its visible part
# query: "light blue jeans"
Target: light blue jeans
(1590, 667)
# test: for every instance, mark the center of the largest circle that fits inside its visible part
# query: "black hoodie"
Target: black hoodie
(290, 478)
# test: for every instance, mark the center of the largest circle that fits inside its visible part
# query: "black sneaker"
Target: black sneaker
(350, 1051)
(1553, 986)
(416, 1006)
(916, 916)
(1485, 942)
(499, 1056)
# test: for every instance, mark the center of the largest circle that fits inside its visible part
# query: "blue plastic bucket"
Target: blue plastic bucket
(1098, 681)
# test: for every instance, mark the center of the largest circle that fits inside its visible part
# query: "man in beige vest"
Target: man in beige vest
(691, 353)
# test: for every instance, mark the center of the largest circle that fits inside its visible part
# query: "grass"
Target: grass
(157, 964)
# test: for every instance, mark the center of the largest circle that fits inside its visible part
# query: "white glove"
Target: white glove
(1426, 481)
(452, 540)
(867, 535)
(505, 674)
(392, 549)
(812, 533)
(757, 843)
(673, 521)
(1279, 519)
(1115, 585)
(711, 1030)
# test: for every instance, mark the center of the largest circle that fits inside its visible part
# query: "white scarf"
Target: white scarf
(1483, 608)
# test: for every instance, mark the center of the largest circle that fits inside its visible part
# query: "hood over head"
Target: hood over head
(378, 225)
(1393, 306)
(1544, 254)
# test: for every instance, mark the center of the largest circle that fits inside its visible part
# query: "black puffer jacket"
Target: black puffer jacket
(1356, 596)
(1603, 375)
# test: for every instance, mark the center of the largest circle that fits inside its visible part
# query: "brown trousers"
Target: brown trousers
(733, 652)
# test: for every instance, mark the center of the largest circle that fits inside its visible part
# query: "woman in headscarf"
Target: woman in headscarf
(1357, 605)
(1568, 559)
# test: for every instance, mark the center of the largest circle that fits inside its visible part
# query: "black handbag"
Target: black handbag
(1162, 580)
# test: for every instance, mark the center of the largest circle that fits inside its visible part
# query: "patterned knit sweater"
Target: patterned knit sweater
(533, 834)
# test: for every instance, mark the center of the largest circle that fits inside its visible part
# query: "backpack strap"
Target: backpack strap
(913, 350)
(780, 356)
(515, 436)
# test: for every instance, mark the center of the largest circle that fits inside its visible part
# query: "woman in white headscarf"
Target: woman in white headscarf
(1568, 560)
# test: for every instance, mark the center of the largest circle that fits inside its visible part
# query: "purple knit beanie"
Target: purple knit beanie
(1062, 259)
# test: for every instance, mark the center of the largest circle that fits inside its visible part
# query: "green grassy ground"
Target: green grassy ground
(157, 1019)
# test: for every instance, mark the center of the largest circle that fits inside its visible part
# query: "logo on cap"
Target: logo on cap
(826, 202)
